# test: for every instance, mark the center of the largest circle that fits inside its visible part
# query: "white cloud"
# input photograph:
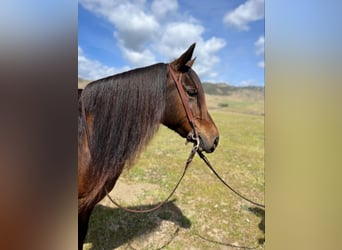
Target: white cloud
(260, 46)
(260, 50)
(92, 69)
(261, 64)
(177, 36)
(139, 58)
(251, 10)
(147, 31)
(207, 58)
(249, 82)
(161, 7)
(133, 27)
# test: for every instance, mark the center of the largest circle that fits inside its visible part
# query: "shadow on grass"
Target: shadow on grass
(110, 228)
(259, 212)
(256, 211)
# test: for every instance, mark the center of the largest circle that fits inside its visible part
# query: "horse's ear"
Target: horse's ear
(180, 64)
(191, 62)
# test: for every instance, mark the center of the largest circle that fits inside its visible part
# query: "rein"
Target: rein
(205, 159)
(189, 160)
(194, 150)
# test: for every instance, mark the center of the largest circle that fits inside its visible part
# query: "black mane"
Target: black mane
(126, 110)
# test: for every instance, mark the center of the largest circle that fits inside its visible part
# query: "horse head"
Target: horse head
(175, 116)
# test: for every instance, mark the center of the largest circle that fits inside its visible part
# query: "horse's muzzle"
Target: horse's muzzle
(208, 147)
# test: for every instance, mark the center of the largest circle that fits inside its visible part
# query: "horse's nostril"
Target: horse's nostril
(212, 149)
(216, 141)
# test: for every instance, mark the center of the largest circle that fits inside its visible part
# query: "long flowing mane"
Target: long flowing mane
(126, 110)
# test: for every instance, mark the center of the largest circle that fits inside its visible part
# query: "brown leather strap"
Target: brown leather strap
(189, 160)
(204, 158)
(183, 98)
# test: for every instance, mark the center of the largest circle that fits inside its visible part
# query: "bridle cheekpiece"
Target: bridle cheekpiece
(194, 135)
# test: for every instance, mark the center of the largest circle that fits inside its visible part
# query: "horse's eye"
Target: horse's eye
(192, 92)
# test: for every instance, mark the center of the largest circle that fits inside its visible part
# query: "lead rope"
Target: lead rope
(204, 158)
(187, 164)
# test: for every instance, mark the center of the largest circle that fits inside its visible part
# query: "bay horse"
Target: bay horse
(119, 114)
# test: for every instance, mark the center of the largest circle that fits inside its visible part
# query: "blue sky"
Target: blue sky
(118, 35)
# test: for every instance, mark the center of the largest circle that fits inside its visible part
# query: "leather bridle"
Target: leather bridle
(194, 135)
(195, 149)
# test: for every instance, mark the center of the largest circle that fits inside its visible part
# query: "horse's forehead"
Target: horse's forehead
(194, 79)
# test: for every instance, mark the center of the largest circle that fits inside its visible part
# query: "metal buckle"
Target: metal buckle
(196, 146)
(196, 138)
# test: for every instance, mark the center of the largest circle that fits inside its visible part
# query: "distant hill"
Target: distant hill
(219, 89)
(224, 97)
(82, 83)
(210, 88)
(225, 89)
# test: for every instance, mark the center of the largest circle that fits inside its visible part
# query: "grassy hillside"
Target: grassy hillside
(82, 83)
(245, 103)
(225, 89)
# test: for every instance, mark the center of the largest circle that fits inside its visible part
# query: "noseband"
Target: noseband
(178, 82)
